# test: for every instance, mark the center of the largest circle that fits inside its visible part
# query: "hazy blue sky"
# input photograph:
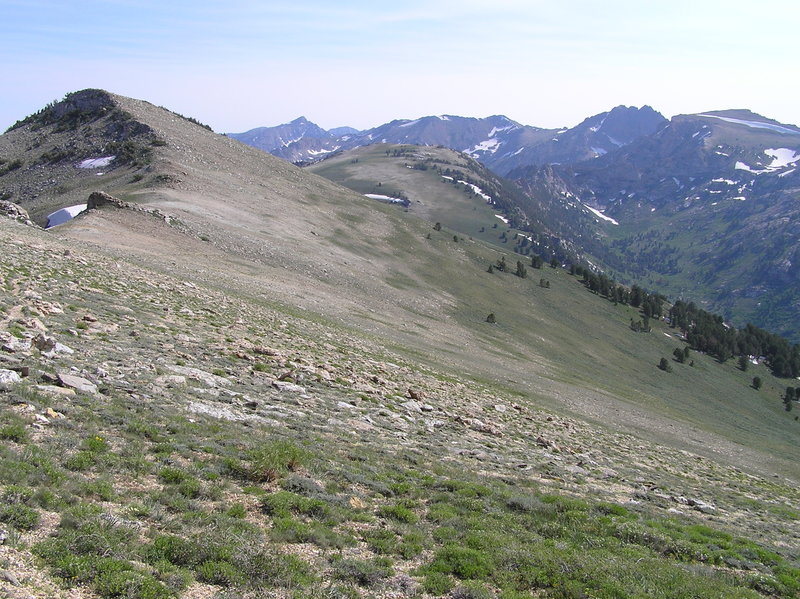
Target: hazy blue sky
(240, 64)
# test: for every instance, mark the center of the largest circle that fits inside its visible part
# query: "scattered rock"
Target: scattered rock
(8, 378)
(54, 390)
(210, 380)
(413, 406)
(10, 577)
(53, 415)
(50, 347)
(286, 387)
(77, 382)
(415, 394)
(15, 212)
(170, 380)
(480, 426)
(15, 345)
(356, 503)
(701, 506)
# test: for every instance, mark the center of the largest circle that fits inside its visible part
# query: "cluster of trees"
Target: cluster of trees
(704, 331)
(792, 394)
(708, 333)
(651, 304)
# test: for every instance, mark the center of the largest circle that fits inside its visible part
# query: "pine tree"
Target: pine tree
(756, 382)
(743, 363)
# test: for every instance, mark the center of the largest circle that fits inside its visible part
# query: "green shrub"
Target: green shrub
(172, 476)
(361, 572)
(96, 444)
(14, 431)
(237, 510)
(131, 584)
(80, 461)
(463, 562)
(221, 573)
(399, 513)
(19, 516)
(273, 459)
(102, 489)
(289, 530)
(437, 583)
(282, 504)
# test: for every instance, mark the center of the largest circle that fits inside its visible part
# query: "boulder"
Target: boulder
(8, 378)
(78, 383)
(49, 346)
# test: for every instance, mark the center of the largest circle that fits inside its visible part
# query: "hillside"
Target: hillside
(294, 387)
(447, 187)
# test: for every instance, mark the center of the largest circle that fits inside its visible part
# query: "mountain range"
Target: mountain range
(227, 375)
(496, 141)
(706, 202)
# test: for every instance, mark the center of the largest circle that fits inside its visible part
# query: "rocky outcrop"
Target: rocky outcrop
(15, 212)
(100, 199)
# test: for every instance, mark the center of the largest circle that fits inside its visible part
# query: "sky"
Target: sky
(241, 64)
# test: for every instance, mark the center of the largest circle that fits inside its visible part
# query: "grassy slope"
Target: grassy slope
(563, 331)
(225, 479)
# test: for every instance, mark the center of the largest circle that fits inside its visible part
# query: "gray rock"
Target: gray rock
(14, 345)
(413, 406)
(10, 577)
(211, 380)
(15, 212)
(50, 347)
(8, 378)
(286, 387)
(78, 383)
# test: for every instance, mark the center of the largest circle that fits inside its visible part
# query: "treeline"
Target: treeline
(704, 331)
(651, 304)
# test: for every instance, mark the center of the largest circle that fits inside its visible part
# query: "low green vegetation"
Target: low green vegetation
(450, 531)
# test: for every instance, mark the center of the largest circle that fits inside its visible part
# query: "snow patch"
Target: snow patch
(502, 218)
(443, 117)
(728, 181)
(318, 152)
(383, 198)
(789, 172)
(496, 130)
(599, 214)
(96, 162)
(488, 145)
(59, 217)
(410, 123)
(741, 166)
(754, 124)
(599, 151)
(781, 157)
